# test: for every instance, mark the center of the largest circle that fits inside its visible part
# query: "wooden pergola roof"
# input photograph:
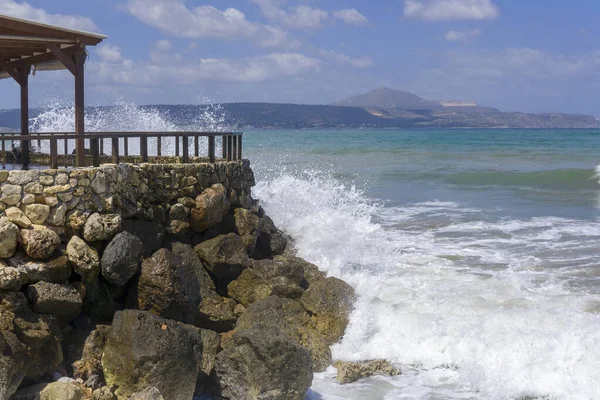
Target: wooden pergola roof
(28, 44)
(44, 47)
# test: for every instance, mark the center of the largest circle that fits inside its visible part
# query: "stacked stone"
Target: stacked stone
(155, 281)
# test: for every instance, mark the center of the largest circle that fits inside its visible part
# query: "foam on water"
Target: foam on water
(466, 307)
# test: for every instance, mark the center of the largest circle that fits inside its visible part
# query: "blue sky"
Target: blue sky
(533, 55)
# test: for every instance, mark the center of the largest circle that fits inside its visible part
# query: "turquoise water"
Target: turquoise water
(475, 253)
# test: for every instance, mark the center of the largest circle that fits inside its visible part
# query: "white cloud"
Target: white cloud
(351, 16)
(163, 44)
(300, 17)
(462, 36)
(343, 59)
(175, 69)
(447, 10)
(25, 11)
(173, 17)
(108, 53)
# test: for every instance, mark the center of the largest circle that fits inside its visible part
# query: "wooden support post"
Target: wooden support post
(144, 148)
(79, 59)
(159, 146)
(95, 148)
(229, 146)
(176, 146)
(126, 146)
(53, 153)
(24, 82)
(224, 146)
(101, 147)
(2, 142)
(115, 150)
(66, 144)
(239, 147)
(211, 148)
(234, 157)
(196, 146)
(186, 149)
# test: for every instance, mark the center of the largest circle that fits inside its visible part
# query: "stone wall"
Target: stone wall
(168, 280)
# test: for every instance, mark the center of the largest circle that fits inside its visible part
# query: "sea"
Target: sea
(474, 253)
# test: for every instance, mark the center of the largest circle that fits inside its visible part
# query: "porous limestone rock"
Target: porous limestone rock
(263, 364)
(55, 270)
(121, 258)
(169, 287)
(143, 350)
(57, 215)
(50, 298)
(84, 259)
(246, 223)
(349, 372)
(330, 303)
(39, 243)
(101, 227)
(103, 393)
(10, 194)
(18, 217)
(9, 233)
(62, 391)
(311, 271)
(11, 279)
(147, 394)
(211, 206)
(224, 256)
(248, 288)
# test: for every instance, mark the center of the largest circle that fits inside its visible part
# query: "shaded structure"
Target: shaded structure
(27, 47)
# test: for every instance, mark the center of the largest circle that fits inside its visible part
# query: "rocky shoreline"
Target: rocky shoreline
(156, 282)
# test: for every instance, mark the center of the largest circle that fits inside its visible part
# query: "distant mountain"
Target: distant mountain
(386, 97)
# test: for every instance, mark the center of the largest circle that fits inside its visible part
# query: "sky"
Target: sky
(515, 55)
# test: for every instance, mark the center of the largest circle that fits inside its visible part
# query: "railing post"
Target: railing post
(240, 147)
(115, 150)
(224, 146)
(186, 149)
(159, 146)
(234, 138)
(211, 148)
(95, 147)
(144, 148)
(66, 147)
(101, 141)
(125, 146)
(176, 146)
(196, 146)
(229, 145)
(3, 142)
(53, 153)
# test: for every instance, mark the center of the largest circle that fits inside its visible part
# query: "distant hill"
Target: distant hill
(386, 97)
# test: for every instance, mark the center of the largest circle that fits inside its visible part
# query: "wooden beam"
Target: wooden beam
(43, 57)
(63, 58)
(34, 28)
(11, 71)
(79, 109)
(35, 39)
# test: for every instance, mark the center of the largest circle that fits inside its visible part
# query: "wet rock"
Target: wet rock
(290, 319)
(263, 364)
(84, 259)
(224, 256)
(248, 288)
(11, 279)
(102, 300)
(168, 287)
(271, 241)
(330, 302)
(50, 298)
(311, 271)
(9, 233)
(37, 213)
(216, 313)
(151, 234)
(246, 224)
(39, 243)
(56, 270)
(148, 394)
(349, 372)
(101, 227)
(211, 206)
(144, 350)
(13, 359)
(18, 217)
(121, 258)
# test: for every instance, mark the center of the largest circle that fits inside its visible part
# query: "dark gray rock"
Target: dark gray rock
(50, 298)
(169, 287)
(150, 233)
(148, 394)
(13, 359)
(224, 256)
(56, 270)
(263, 364)
(271, 241)
(121, 258)
(144, 351)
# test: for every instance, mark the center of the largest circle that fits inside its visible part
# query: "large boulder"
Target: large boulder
(151, 234)
(144, 351)
(271, 241)
(62, 391)
(64, 301)
(84, 259)
(330, 302)
(211, 206)
(263, 364)
(147, 394)
(292, 321)
(311, 271)
(18, 217)
(246, 224)
(349, 372)
(208, 345)
(37, 213)
(121, 258)
(56, 270)
(13, 359)
(39, 243)
(169, 287)
(248, 288)
(100, 227)
(224, 256)
(9, 232)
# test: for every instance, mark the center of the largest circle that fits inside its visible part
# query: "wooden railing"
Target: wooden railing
(231, 144)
